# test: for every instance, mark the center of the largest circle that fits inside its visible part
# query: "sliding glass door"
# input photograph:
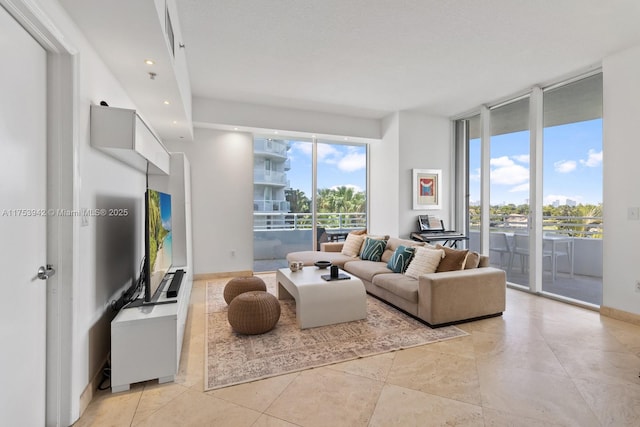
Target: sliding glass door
(509, 188)
(341, 189)
(305, 192)
(540, 210)
(572, 175)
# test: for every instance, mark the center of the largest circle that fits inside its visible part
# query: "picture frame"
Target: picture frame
(427, 185)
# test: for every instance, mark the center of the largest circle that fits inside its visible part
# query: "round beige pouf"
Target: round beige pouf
(239, 285)
(254, 312)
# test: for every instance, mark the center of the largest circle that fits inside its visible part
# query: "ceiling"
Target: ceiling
(369, 58)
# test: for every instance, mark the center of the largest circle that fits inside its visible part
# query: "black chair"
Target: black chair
(321, 236)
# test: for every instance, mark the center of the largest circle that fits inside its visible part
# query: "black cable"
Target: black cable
(106, 375)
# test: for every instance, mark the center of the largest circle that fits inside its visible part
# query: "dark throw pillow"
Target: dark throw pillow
(400, 259)
(372, 249)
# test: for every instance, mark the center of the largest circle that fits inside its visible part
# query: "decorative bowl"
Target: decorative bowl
(322, 264)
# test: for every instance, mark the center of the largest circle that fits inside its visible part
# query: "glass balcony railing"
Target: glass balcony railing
(260, 176)
(303, 221)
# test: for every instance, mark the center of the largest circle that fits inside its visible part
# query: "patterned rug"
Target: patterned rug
(232, 358)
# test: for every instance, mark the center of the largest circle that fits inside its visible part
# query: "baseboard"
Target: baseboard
(625, 316)
(89, 391)
(214, 276)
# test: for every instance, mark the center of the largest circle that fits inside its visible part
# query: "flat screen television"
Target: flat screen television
(158, 241)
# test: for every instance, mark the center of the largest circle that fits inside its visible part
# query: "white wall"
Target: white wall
(384, 194)
(621, 87)
(425, 143)
(109, 249)
(221, 199)
(410, 141)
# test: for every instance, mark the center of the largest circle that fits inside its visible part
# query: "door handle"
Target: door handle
(45, 272)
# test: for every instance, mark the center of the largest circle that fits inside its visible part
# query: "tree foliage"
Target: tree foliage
(298, 201)
(578, 221)
(341, 200)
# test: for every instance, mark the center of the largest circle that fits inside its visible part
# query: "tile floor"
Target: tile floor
(543, 363)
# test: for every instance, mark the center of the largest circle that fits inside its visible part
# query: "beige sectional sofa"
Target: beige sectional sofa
(439, 299)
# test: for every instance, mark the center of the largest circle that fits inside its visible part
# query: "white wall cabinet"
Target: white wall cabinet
(121, 133)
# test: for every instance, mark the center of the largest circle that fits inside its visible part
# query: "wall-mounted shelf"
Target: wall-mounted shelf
(121, 133)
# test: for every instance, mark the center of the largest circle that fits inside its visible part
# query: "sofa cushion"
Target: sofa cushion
(400, 259)
(473, 260)
(394, 242)
(398, 284)
(352, 245)
(372, 249)
(454, 259)
(365, 270)
(425, 260)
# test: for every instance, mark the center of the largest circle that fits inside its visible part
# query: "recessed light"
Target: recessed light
(166, 102)
(275, 131)
(149, 61)
(235, 128)
(175, 122)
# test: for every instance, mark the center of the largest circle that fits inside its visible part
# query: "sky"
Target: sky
(572, 165)
(338, 165)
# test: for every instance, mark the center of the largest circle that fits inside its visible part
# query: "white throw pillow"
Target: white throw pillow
(425, 260)
(352, 245)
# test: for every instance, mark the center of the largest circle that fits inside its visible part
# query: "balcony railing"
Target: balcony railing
(260, 176)
(269, 206)
(304, 221)
(274, 147)
(574, 226)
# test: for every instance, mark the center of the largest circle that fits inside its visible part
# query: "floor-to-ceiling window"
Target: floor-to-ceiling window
(306, 191)
(572, 189)
(543, 222)
(509, 188)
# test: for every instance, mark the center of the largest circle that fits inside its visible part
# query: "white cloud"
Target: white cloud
(565, 166)
(506, 172)
(353, 162)
(520, 188)
(522, 158)
(594, 159)
(501, 161)
(302, 147)
(327, 153)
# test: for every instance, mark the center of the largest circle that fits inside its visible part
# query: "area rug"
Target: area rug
(232, 358)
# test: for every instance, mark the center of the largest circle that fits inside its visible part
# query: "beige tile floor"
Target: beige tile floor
(543, 363)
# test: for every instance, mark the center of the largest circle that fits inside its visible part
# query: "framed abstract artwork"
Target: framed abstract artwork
(427, 184)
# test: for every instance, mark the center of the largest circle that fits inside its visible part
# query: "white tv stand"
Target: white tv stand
(146, 341)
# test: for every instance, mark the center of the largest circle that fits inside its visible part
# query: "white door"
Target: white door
(22, 225)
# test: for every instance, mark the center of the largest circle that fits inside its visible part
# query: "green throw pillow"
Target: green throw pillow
(400, 259)
(372, 249)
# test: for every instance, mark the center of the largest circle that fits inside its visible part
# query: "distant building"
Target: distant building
(516, 220)
(555, 203)
(270, 166)
(571, 202)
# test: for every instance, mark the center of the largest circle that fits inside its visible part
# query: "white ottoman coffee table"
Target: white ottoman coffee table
(320, 302)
